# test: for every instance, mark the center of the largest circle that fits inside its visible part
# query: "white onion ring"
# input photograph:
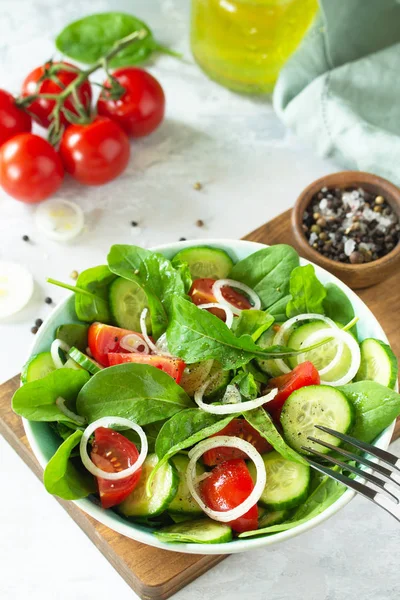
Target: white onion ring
(162, 346)
(229, 409)
(137, 341)
(69, 413)
(108, 422)
(230, 442)
(55, 346)
(348, 340)
(228, 311)
(217, 292)
(143, 328)
(285, 327)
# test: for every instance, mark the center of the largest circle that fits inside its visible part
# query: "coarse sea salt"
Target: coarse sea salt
(349, 247)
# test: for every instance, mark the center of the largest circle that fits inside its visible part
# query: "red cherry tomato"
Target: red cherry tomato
(13, 120)
(228, 486)
(201, 293)
(30, 168)
(104, 339)
(141, 109)
(238, 428)
(301, 376)
(112, 452)
(172, 366)
(42, 107)
(95, 153)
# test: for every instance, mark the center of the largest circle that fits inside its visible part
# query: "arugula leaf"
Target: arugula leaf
(36, 400)
(260, 420)
(307, 292)
(138, 392)
(90, 38)
(91, 294)
(376, 407)
(155, 275)
(64, 430)
(267, 272)
(247, 384)
(252, 322)
(338, 307)
(62, 478)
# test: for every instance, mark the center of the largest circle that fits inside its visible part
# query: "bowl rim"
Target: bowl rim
(346, 178)
(128, 529)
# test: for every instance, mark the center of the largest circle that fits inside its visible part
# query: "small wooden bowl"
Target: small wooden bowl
(355, 276)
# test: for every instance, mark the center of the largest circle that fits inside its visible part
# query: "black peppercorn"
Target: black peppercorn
(48, 300)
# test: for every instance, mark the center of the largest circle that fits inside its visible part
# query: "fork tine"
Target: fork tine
(384, 456)
(368, 476)
(359, 459)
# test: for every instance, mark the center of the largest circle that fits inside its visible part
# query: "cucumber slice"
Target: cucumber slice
(73, 334)
(287, 482)
(205, 262)
(183, 501)
(201, 531)
(315, 405)
(179, 517)
(71, 364)
(127, 301)
(37, 367)
(164, 488)
(218, 386)
(300, 334)
(267, 366)
(194, 375)
(268, 517)
(85, 361)
(378, 363)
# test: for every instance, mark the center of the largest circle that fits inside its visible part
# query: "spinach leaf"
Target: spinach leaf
(91, 294)
(151, 430)
(36, 400)
(73, 334)
(307, 292)
(138, 392)
(376, 407)
(252, 322)
(338, 307)
(260, 420)
(155, 275)
(63, 430)
(267, 272)
(278, 309)
(90, 38)
(62, 478)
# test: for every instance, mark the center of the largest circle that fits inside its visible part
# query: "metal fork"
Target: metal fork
(384, 497)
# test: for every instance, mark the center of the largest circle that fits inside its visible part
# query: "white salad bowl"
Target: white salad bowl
(44, 442)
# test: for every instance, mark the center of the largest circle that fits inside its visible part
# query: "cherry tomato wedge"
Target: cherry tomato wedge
(238, 428)
(201, 293)
(112, 452)
(42, 107)
(301, 376)
(13, 120)
(171, 366)
(228, 486)
(103, 339)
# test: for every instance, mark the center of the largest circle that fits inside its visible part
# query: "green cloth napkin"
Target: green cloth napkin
(341, 90)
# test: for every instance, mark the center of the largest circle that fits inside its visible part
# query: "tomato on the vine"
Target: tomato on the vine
(41, 108)
(30, 168)
(13, 120)
(95, 153)
(141, 108)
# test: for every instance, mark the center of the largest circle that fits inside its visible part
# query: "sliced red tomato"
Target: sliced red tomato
(301, 376)
(238, 428)
(228, 486)
(201, 293)
(170, 365)
(103, 339)
(112, 452)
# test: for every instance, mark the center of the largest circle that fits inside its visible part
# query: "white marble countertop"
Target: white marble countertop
(251, 170)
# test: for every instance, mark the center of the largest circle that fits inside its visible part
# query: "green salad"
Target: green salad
(185, 394)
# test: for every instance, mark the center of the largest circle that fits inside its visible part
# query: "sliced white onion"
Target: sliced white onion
(229, 442)
(232, 395)
(110, 422)
(225, 308)
(217, 292)
(55, 347)
(143, 328)
(132, 342)
(346, 339)
(285, 328)
(69, 413)
(60, 220)
(162, 345)
(16, 288)
(229, 409)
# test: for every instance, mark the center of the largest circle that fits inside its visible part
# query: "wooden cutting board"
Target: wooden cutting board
(152, 573)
